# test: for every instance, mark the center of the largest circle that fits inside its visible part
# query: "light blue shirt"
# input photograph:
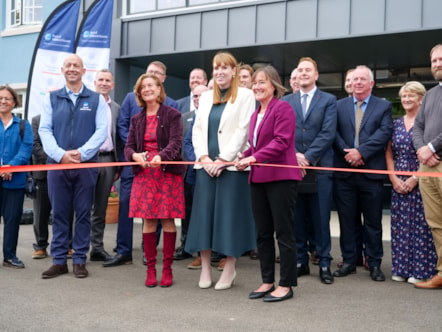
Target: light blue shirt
(310, 95)
(88, 149)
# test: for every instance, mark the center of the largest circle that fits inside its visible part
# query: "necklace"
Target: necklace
(410, 120)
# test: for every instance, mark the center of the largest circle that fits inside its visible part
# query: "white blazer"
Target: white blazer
(233, 128)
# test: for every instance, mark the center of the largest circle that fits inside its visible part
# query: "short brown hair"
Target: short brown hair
(137, 89)
(274, 78)
(246, 67)
(14, 94)
(159, 64)
(307, 58)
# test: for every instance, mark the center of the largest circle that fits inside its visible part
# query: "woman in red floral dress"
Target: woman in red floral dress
(155, 136)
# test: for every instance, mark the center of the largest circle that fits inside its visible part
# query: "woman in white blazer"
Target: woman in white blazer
(222, 218)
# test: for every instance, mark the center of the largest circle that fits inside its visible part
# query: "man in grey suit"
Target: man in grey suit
(104, 83)
(197, 77)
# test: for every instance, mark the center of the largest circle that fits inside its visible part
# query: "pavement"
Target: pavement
(115, 299)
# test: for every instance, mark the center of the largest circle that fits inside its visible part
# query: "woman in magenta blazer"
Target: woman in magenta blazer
(274, 189)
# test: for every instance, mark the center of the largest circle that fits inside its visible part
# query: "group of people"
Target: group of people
(263, 169)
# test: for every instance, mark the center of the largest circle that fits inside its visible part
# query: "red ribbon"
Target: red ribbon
(50, 167)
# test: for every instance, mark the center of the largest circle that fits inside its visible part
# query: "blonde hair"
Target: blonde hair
(434, 49)
(137, 89)
(413, 86)
(229, 60)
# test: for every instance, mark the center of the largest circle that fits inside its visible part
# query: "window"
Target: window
(24, 12)
(140, 6)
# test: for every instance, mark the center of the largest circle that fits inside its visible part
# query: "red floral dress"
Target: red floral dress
(156, 194)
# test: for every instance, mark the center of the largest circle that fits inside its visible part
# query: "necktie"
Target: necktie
(304, 104)
(358, 120)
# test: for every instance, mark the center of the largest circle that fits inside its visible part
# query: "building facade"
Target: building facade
(393, 37)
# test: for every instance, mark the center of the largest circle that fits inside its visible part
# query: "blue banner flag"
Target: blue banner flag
(94, 38)
(55, 42)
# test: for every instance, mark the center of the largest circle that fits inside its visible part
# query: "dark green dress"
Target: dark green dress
(222, 218)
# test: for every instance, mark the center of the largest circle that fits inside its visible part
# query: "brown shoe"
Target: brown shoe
(54, 271)
(221, 264)
(195, 264)
(80, 271)
(433, 283)
(39, 253)
(313, 258)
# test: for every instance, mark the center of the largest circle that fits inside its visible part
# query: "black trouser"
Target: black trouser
(273, 206)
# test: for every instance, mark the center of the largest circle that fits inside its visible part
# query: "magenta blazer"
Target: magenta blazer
(275, 144)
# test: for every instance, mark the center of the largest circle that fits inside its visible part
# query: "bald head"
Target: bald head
(73, 72)
(293, 81)
(196, 94)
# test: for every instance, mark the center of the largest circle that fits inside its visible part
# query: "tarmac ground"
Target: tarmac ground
(115, 299)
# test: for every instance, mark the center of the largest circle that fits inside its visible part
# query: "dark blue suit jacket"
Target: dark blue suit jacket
(189, 153)
(315, 134)
(374, 133)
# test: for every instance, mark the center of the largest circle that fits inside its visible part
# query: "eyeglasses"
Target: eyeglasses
(154, 72)
(8, 99)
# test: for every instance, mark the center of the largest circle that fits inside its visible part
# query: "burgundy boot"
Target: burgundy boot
(168, 251)
(150, 252)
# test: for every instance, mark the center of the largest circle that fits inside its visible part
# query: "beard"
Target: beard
(437, 73)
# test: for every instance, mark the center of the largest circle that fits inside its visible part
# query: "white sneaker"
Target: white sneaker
(397, 278)
(412, 280)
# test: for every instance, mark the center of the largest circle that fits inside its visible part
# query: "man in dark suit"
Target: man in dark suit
(41, 203)
(364, 128)
(197, 77)
(315, 131)
(129, 108)
(187, 120)
(104, 83)
(187, 107)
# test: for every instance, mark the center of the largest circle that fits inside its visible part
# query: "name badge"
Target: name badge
(85, 107)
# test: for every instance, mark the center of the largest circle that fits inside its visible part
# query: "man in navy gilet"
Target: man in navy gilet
(73, 126)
